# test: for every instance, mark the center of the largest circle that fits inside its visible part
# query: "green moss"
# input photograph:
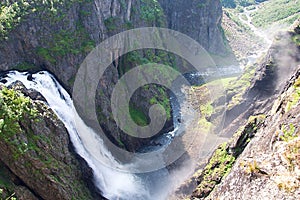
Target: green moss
(46, 54)
(66, 42)
(120, 143)
(138, 116)
(237, 88)
(10, 15)
(136, 58)
(223, 159)
(288, 132)
(14, 107)
(219, 166)
(24, 66)
(233, 15)
(207, 109)
(152, 12)
(296, 39)
(294, 97)
(111, 23)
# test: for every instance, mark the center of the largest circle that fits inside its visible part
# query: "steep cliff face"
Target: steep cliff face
(58, 35)
(37, 157)
(199, 19)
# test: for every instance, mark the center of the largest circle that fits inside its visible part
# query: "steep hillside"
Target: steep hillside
(261, 160)
(269, 166)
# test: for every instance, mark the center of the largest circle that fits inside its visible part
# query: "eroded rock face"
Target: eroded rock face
(269, 166)
(43, 38)
(41, 158)
(199, 19)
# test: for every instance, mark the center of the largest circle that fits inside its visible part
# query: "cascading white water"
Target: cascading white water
(113, 183)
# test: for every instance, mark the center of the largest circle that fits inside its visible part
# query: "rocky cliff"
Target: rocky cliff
(37, 158)
(261, 161)
(201, 20)
(57, 35)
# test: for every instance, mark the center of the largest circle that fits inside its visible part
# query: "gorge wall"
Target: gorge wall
(57, 35)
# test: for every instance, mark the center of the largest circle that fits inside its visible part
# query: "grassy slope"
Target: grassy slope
(276, 11)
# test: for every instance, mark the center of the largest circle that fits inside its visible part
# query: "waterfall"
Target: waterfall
(112, 179)
(114, 183)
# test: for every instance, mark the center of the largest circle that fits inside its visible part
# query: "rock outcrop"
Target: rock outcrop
(269, 166)
(37, 158)
(201, 20)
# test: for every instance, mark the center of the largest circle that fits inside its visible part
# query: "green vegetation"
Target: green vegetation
(218, 167)
(237, 3)
(14, 108)
(237, 88)
(138, 116)
(292, 153)
(276, 11)
(66, 42)
(159, 93)
(9, 197)
(288, 132)
(159, 96)
(52, 11)
(151, 12)
(24, 66)
(233, 15)
(221, 162)
(225, 156)
(251, 168)
(13, 12)
(228, 3)
(206, 103)
(10, 16)
(294, 97)
(244, 135)
(18, 120)
(296, 39)
(111, 23)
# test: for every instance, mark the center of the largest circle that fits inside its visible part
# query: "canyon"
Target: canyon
(50, 151)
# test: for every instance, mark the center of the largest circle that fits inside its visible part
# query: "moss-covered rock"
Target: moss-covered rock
(35, 147)
(222, 160)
